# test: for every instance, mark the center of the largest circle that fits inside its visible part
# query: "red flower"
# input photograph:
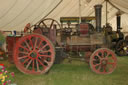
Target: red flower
(12, 73)
(3, 69)
(1, 64)
(4, 83)
(6, 71)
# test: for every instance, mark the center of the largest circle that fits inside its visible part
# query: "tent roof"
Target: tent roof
(15, 14)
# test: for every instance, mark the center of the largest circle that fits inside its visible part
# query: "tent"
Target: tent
(15, 14)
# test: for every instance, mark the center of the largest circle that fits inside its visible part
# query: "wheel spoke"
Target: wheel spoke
(37, 65)
(22, 57)
(45, 51)
(51, 24)
(26, 61)
(97, 65)
(106, 57)
(23, 53)
(33, 65)
(41, 63)
(102, 54)
(35, 44)
(31, 42)
(24, 48)
(98, 56)
(28, 64)
(99, 68)
(47, 62)
(27, 45)
(46, 56)
(40, 43)
(104, 67)
(44, 24)
(95, 60)
(43, 47)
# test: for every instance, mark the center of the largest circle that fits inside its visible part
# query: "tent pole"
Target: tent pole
(106, 12)
(79, 11)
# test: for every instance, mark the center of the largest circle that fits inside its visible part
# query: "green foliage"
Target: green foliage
(6, 78)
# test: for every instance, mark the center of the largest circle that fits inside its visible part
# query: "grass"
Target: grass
(76, 73)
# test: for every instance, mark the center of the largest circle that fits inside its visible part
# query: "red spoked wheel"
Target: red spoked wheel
(103, 61)
(34, 54)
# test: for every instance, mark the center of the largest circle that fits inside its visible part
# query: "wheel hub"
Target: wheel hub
(104, 62)
(33, 54)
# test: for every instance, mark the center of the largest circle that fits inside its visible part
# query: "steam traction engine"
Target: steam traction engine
(36, 52)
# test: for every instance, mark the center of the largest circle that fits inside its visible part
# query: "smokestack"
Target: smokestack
(118, 18)
(98, 9)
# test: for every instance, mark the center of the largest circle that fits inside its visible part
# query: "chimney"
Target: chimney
(118, 18)
(98, 10)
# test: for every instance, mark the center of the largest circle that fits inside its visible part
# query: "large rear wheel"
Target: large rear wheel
(34, 54)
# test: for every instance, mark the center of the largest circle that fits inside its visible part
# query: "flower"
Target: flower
(9, 81)
(12, 73)
(1, 76)
(4, 83)
(1, 64)
(5, 77)
(2, 70)
(6, 71)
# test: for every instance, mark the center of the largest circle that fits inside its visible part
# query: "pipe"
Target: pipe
(98, 17)
(118, 17)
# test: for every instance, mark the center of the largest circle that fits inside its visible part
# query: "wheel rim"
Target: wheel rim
(103, 61)
(49, 23)
(34, 54)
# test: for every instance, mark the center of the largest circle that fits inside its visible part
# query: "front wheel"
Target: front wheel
(103, 61)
